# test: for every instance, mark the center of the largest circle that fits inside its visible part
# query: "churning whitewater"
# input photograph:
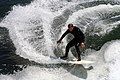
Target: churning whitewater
(35, 28)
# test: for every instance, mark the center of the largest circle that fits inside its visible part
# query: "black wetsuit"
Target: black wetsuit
(78, 38)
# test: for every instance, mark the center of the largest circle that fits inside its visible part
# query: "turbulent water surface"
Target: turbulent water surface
(29, 30)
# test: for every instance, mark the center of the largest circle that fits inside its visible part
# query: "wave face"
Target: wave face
(35, 28)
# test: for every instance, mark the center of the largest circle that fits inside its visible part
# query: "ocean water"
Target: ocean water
(29, 31)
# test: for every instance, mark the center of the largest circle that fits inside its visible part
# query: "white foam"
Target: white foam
(104, 68)
(113, 59)
(37, 73)
(95, 14)
(107, 62)
(21, 23)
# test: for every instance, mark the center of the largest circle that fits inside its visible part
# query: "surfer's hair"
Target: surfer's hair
(70, 25)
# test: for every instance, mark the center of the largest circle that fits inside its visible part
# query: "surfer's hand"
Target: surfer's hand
(59, 41)
(82, 45)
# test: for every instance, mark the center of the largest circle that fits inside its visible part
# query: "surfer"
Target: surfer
(77, 41)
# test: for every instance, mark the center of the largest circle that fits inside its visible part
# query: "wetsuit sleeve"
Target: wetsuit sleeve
(82, 36)
(67, 31)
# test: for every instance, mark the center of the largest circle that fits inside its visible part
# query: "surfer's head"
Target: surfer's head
(70, 27)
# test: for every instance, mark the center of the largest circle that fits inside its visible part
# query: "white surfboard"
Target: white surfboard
(81, 62)
(72, 61)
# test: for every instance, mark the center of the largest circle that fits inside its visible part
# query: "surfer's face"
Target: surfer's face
(71, 28)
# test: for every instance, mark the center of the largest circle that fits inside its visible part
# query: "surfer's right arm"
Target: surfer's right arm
(66, 32)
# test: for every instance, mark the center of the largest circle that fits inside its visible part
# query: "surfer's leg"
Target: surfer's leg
(69, 45)
(78, 51)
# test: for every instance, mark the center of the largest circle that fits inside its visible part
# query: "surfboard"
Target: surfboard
(81, 62)
(74, 61)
